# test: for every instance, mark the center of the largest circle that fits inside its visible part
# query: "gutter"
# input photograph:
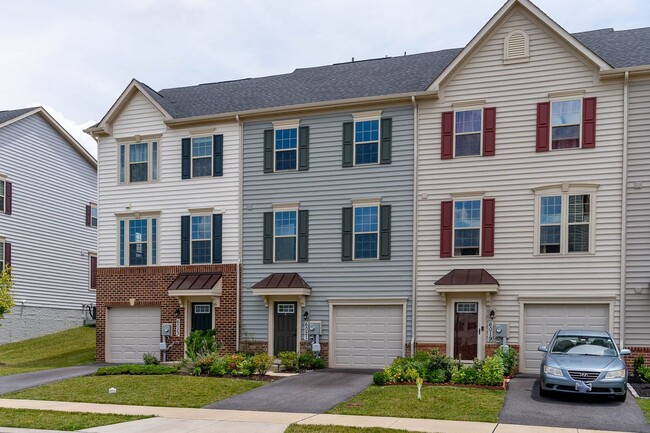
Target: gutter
(621, 339)
(240, 233)
(625, 73)
(415, 221)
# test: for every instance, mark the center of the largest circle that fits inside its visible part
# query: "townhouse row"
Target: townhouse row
(384, 206)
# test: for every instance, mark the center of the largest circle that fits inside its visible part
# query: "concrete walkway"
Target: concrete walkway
(18, 382)
(178, 420)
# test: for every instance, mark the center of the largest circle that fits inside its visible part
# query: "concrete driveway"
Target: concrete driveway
(524, 406)
(313, 392)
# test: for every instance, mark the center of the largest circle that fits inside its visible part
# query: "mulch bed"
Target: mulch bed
(455, 385)
(643, 389)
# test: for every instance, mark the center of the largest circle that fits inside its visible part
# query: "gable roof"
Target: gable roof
(11, 116)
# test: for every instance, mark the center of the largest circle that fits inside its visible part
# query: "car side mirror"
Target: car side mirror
(625, 352)
(542, 349)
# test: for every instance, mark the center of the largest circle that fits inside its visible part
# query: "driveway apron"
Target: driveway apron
(523, 405)
(313, 392)
(18, 382)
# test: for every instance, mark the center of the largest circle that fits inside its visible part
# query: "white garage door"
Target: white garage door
(132, 332)
(541, 322)
(367, 336)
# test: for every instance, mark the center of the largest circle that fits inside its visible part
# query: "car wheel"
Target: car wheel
(620, 397)
(543, 392)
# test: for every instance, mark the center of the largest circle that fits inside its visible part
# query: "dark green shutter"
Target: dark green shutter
(268, 237)
(186, 158)
(217, 155)
(217, 228)
(346, 241)
(348, 144)
(268, 151)
(303, 236)
(386, 141)
(303, 148)
(384, 232)
(185, 240)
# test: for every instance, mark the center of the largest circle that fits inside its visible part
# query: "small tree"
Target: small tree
(6, 302)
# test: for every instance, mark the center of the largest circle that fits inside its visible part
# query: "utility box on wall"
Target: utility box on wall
(501, 330)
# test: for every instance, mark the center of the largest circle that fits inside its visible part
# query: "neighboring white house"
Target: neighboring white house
(48, 224)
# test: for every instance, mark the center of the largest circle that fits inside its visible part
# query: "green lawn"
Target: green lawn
(174, 391)
(55, 420)
(438, 402)
(644, 404)
(295, 428)
(63, 349)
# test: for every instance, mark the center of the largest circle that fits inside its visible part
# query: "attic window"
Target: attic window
(516, 47)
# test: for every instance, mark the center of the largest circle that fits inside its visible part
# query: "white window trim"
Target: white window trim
(281, 125)
(3, 197)
(364, 117)
(93, 206)
(285, 208)
(127, 162)
(192, 157)
(461, 109)
(453, 226)
(91, 254)
(565, 190)
(360, 204)
(134, 216)
(2, 252)
(202, 214)
(569, 96)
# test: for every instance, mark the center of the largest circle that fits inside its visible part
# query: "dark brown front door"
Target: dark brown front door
(285, 330)
(465, 330)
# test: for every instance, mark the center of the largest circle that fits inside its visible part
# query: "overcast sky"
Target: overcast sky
(75, 57)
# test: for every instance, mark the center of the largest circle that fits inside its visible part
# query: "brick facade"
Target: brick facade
(147, 286)
(636, 352)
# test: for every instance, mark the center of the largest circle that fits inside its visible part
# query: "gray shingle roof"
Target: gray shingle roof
(623, 48)
(7, 115)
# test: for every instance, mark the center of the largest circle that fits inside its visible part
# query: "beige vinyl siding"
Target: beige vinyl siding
(170, 195)
(637, 322)
(511, 175)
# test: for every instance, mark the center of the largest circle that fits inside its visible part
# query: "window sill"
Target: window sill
(585, 254)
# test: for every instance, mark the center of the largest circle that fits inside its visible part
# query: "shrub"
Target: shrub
(184, 366)
(639, 361)
(150, 359)
(508, 357)
(136, 369)
(238, 364)
(437, 376)
(491, 372)
(308, 360)
(464, 375)
(401, 370)
(379, 378)
(262, 363)
(204, 363)
(200, 344)
(441, 362)
(196, 371)
(318, 363)
(289, 360)
(644, 374)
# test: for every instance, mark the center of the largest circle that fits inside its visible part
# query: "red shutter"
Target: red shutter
(543, 126)
(8, 197)
(7, 254)
(487, 241)
(589, 123)
(489, 131)
(88, 214)
(447, 135)
(446, 227)
(93, 272)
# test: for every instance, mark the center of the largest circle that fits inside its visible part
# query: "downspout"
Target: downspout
(241, 226)
(621, 339)
(415, 220)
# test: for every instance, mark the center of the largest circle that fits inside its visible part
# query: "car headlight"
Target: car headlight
(553, 371)
(615, 374)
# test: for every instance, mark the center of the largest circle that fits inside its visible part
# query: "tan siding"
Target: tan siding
(510, 176)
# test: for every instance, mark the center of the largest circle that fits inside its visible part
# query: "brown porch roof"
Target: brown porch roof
(291, 280)
(467, 277)
(195, 281)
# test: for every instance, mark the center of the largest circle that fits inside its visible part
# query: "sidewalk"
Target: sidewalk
(180, 420)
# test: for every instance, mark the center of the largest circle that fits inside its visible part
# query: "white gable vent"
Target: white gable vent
(515, 47)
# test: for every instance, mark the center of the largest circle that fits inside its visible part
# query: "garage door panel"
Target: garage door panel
(132, 333)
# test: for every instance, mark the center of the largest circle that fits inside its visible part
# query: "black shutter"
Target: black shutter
(186, 158)
(346, 240)
(9, 197)
(185, 240)
(303, 148)
(217, 156)
(303, 236)
(217, 227)
(268, 237)
(384, 232)
(88, 214)
(348, 144)
(7, 254)
(386, 141)
(268, 151)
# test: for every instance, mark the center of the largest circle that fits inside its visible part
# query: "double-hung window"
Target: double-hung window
(138, 162)
(565, 123)
(285, 235)
(201, 238)
(366, 142)
(93, 215)
(467, 227)
(201, 156)
(138, 241)
(286, 149)
(3, 195)
(467, 132)
(366, 232)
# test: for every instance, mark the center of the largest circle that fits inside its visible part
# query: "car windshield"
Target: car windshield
(583, 345)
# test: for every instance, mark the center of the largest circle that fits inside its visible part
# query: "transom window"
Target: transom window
(286, 149)
(467, 227)
(201, 156)
(201, 238)
(93, 215)
(565, 124)
(138, 162)
(366, 142)
(2, 195)
(138, 241)
(366, 232)
(466, 307)
(564, 223)
(202, 309)
(286, 308)
(467, 132)
(285, 233)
